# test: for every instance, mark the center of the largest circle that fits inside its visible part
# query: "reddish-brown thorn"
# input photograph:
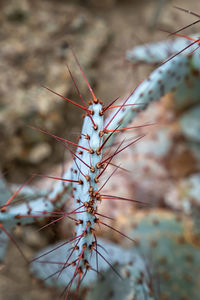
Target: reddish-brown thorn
(60, 218)
(123, 169)
(171, 57)
(116, 230)
(103, 110)
(185, 27)
(3, 208)
(123, 149)
(59, 138)
(106, 140)
(132, 127)
(9, 235)
(110, 158)
(76, 86)
(54, 249)
(58, 178)
(110, 218)
(108, 179)
(125, 105)
(74, 248)
(72, 102)
(75, 273)
(87, 82)
(108, 263)
(187, 11)
(121, 107)
(122, 198)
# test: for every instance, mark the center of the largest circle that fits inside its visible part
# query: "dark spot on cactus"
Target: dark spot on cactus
(78, 200)
(141, 95)
(127, 273)
(189, 258)
(160, 71)
(184, 298)
(163, 260)
(195, 72)
(150, 92)
(188, 278)
(181, 240)
(19, 224)
(164, 296)
(111, 294)
(162, 90)
(80, 152)
(165, 275)
(178, 78)
(155, 222)
(137, 242)
(159, 81)
(153, 244)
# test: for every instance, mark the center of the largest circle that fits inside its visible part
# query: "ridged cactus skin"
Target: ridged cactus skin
(166, 241)
(87, 170)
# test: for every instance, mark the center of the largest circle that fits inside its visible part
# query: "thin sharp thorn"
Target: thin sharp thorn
(132, 127)
(54, 249)
(125, 105)
(58, 138)
(117, 231)
(187, 11)
(108, 179)
(87, 82)
(106, 140)
(60, 218)
(9, 235)
(110, 218)
(109, 158)
(3, 208)
(58, 178)
(78, 91)
(139, 138)
(121, 106)
(108, 263)
(68, 100)
(123, 169)
(108, 107)
(122, 198)
(185, 27)
(171, 57)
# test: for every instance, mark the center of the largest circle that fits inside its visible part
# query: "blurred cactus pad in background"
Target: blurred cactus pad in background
(116, 213)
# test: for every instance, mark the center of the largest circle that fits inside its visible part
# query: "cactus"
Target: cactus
(167, 242)
(86, 171)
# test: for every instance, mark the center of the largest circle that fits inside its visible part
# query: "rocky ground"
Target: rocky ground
(33, 52)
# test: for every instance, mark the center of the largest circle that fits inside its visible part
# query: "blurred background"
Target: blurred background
(34, 51)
